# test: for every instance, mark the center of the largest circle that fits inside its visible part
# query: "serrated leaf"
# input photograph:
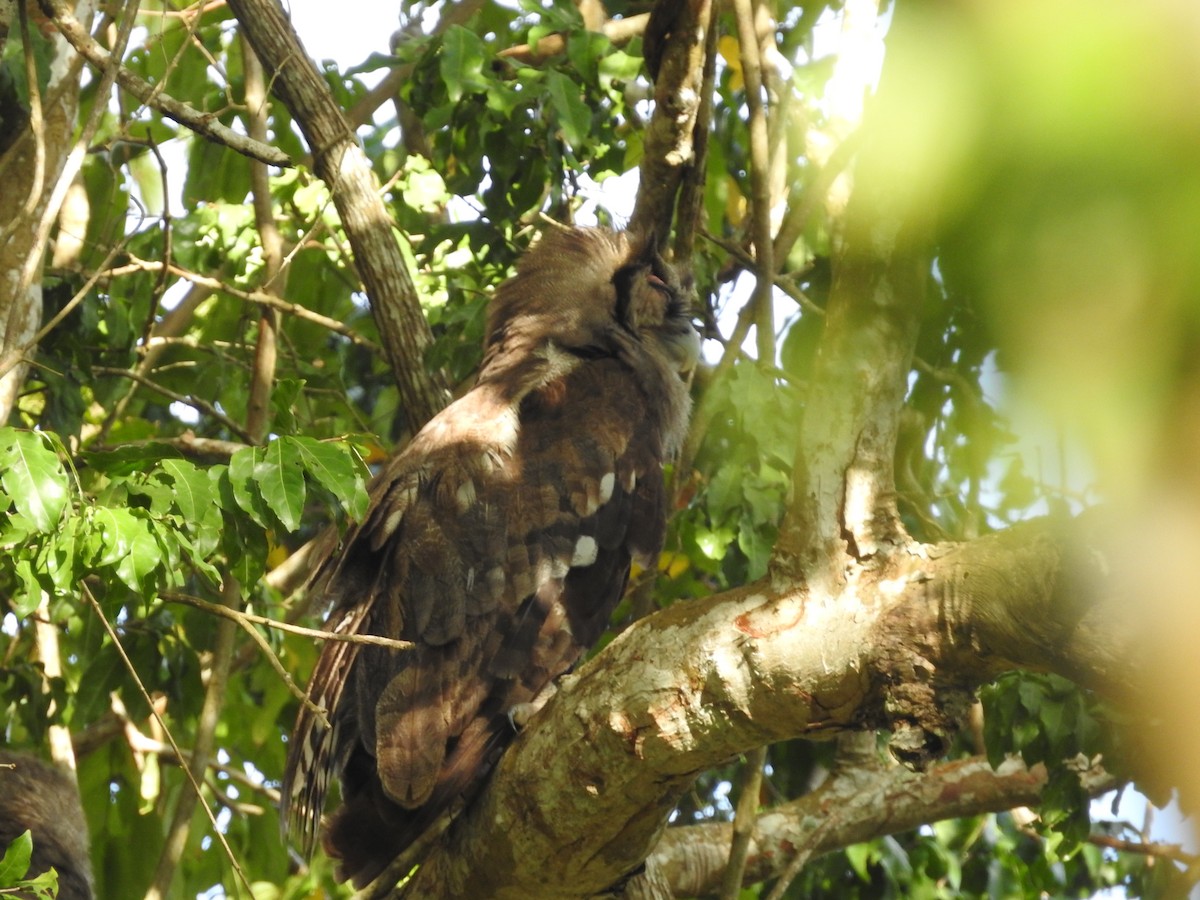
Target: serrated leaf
(32, 477)
(280, 478)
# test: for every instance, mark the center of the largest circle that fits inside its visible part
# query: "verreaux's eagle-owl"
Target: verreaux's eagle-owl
(42, 799)
(498, 542)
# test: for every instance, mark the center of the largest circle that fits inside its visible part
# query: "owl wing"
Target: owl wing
(499, 546)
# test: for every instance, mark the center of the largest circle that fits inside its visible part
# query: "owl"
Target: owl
(496, 545)
(43, 800)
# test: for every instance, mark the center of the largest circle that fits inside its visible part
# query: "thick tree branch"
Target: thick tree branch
(843, 505)
(341, 163)
(584, 793)
(880, 803)
(670, 136)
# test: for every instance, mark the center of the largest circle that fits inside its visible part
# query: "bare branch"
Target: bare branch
(264, 299)
(342, 164)
(203, 123)
(203, 745)
(885, 802)
(760, 186)
(679, 82)
(245, 618)
(258, 404)
(197, 403)
(743, 823)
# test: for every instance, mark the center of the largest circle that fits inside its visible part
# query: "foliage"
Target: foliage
(108, 489)
(14, 866)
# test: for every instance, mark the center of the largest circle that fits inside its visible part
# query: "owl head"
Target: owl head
(593, 292)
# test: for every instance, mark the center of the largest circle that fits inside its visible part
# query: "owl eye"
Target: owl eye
(659, 285)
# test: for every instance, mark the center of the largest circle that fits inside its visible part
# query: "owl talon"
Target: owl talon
(520, 713)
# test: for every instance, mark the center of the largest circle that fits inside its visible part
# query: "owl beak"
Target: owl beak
(683, 347)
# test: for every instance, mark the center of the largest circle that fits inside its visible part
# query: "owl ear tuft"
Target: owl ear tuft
(626, 283)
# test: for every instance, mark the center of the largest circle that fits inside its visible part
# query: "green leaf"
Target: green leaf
(29, 596)
(127, 460)
(246, 492)
(109, 536)
(283, 400)
(144, 555)
(61, 554)
(858, 856)
(281, 481)
(574, 117)
(122, 539)
(33, 477)
(15, 862)
(193, 491)
(461, 63)
(338, 468)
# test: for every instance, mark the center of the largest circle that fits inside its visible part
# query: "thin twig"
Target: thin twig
(203, 745)
(804, 852)
(300, 312)
(244, 621)
(191, 400)
(137, 680)
(743, 823)
(1173, 852)
(15, 355)
(619, 31)
(760, 188)
(316, 633)
(784, 282)
(203, 123)
(266, 346)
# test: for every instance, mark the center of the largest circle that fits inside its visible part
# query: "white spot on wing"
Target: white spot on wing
(506, 427)
(585, 551)
(393, 522)
(607, 483)
(465, 496)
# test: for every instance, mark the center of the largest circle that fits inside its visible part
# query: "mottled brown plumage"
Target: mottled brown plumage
(498, 543)
(43, 800)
